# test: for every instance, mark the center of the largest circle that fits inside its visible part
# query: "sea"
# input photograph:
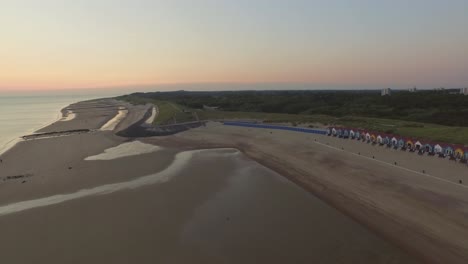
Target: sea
(22, 114)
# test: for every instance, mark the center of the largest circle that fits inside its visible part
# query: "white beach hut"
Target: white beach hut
(368, 137)
(418, 145)
(379, 139)
(438, 149)
(394, 141)
(334, 131)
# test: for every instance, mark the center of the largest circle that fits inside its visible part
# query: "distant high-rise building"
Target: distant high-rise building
(386, 91)
(412, 90)
(464, 91)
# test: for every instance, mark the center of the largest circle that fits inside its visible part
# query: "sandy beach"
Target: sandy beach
(222, 194)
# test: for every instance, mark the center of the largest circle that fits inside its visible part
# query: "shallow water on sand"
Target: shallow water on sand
(219, 207)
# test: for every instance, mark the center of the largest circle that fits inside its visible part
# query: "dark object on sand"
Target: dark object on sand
(460, 181)
(70, 168)
(23, 181)
(395, 162)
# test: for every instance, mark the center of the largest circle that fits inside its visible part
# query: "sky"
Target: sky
(67, 44)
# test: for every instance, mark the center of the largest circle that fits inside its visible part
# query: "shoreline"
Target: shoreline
(4, 148)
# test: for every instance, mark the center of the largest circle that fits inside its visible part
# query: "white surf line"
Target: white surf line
(127, 149)
(179, 163)
(112, 124)
(151, 119)
(9, 145)
(395, 166)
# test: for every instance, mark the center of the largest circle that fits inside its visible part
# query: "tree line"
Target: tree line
(439, 107)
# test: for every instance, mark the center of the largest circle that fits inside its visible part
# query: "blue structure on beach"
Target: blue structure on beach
(297, 129)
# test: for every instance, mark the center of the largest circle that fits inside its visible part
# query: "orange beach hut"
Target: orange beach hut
(459, 153)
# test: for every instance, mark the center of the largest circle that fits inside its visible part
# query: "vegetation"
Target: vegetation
(169, 112)
(433, 115)
(438, 107)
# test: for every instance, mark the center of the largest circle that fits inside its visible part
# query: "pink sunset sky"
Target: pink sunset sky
(370, 44)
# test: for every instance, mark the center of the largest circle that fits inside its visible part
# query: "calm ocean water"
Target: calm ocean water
(21, 114)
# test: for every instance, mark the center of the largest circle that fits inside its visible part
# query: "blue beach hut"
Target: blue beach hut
(386, 141)
(358, 135)
(401, 143)
(448, 150)
(428, 148)
(345, 133)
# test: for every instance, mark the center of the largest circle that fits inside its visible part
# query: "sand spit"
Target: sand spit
(112, 124)
(133, 148)
(153, 116)
(87, 115)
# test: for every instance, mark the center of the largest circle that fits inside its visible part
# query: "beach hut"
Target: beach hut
(418, 145)
(438, 149)
(352, 135)
(465, 157)
(345, 133)
(357, 135)
(410, 144)
(459, 153)
(401, 143)
(373, 138)
(428, 148)
(339, 131)
(363, 135)
(387, 141)
(394, 142)
(329, 131)
(448, 150)
(368, 137)
(334, 132)
(379, 140)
